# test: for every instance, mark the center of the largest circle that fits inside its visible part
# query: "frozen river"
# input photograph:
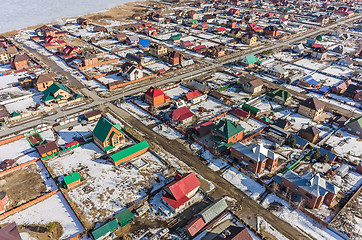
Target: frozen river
(16, 14)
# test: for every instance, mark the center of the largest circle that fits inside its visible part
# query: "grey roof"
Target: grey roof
(133, 38)
(257, 152)
(312, 183)
(300, 141)
(213, 210)
(280, 69)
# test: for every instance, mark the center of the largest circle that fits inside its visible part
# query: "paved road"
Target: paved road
(249, 209)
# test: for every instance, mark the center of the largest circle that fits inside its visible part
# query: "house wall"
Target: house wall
(193, 192)
(271, 164)
(4, 203)
(98, 143)
(306, 111)
(155, 101)
(20, 65)
(43, 86)
(73, 184)
(309, 136)
(136, 154)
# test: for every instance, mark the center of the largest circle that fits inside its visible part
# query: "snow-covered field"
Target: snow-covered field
(243, 182)
(215, 163)
(177, 92)
(19, 149)
(34, 12)
(138, 113)
(53, 209)
(107, 189)
(347, 145)
(167, 132)
(212, 107)
(66, 136)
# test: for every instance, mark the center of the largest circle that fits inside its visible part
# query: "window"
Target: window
(115, 141)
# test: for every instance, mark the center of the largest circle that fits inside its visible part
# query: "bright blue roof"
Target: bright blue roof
(324, 89)
(145, 43)
(312, 82)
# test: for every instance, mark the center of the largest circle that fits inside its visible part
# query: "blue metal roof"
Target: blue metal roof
(324, 89)
(145, 43)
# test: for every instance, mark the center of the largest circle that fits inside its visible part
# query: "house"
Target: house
(131, 72)
(174, 58)
(121, 37)
(108, 136)
(310, 133)
(280, 96)
(339, 121)
(124, 218)
(200, 49)
(158, 18)
(312, 41)
(235, 33)
(158, 50)
(253, 28)
(208, 18)
(227, 131)
(194, 226)
(311, 107)
(354, 91)
(4, 203)
(234, 233)
(192, 95)
(254, 158)
(338, 32)
(355, 127)
(138, 28)
(56, 93)
(320, 53)
(203, 26)
(345, 62)
(69, 51)
(92, 115)
(4, 115)
(270, 31)
(129, 153)
(83, 21)
(252, 86)
(341, 88)
(233, 11)
(10, 231)
(177, 194)
(182, 115)
(105, 230)
(331, 156)
(176, 38)
(19, 61)
(311, 187)
(282, 123)
(43, 81)
(47, 149)
(71, 179)
(193, 23)
(88, 58)
(278, 71)
(249, 61)
(155, 96)
(151, 31)
(4, 57)
(248, 39)
(144, 44)
(322, 19)
(132, 40)
(192, 14)
(216, 51)
(310, 82)
(231, 23)
(99, 29)
(186, 44)
(340, 49)
(240, 113)
(203, 128)
(299, 48)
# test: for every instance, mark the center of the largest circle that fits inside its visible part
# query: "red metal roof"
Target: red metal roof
(181, 114)
(75, 142)
(187, 44)
(192, 95)
(174, 203)
(179, 188)
(221, 29)
(317, 45)
(199, 47)
(195, 225)
(239, 112)
(154, 92)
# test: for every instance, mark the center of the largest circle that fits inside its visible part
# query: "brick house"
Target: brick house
(174, 58)
(43, 81)
(71, 179)
(216, 51)
(251, 86)
(177, 194)
(311, 107)
(129, 153)
(254, 158)
(227, 131)
(108, 136)
(155, 96)
(151, 31)
(248, 39)
(89, 58)
(19, 62)
(311, 187)
(354, 91)
(4, 56)
(310, 133)
(4, 201)
(158, 50)
(270, 31)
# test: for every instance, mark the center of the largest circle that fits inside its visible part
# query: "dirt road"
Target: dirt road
(249, 209)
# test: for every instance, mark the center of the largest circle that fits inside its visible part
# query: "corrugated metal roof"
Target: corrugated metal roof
(71, 178)
(129, 151)
(105, 229)
(213, 210)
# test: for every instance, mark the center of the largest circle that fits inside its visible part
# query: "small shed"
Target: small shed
(213, 210)
(342, 170)
(124, 217)
(72, 179)
(130, 152)
(105, 230)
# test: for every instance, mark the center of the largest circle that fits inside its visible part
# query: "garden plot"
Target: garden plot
(13, 92)
(215, 163)
(67, 136)
(219, 79)
(251, 125)
(124, 52)
(347, 145)
(310, 64)
(346, 100)
(19, 150)
(116, 47)
(298, 219)
(326, 80)
(266, 105)
(348, 183)
(110, 78)
(40, 214)
(298, 121)
(167, 132)
(5, 67)
(23, 104)
(297, 68)
(243, 182)
(155, 67)
(177, 92)
(284, 56)
(93, 84)
(336, 70)
(138, 113)
(211, 106)
(236, 94)
(11, 79)
(106, 188)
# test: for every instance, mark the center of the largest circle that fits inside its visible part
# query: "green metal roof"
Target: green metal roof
(251, 59)
(285, 95)
(213, 210)
(71, 178)
(76, 96)
(52, 89)
(47, 97)
(105, 229)
(129, 151)
(228, 128)
(108, 148)
(194, 21)
(358, 120)
(176, 37)
(124, 217)
(251, 109)
(14, 114)
(103, 127)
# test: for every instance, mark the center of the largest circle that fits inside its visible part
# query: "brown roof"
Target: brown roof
(2, 195)
(3, 51)
(311, 130)
(10, 232)
(46, 77)
(20, 58)
(47, 147)
(3, 112)
(313, 103)
(11, 50)
(234, 233)
(92, 113)
(255, 82)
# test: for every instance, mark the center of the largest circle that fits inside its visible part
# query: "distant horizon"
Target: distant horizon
(18, 14)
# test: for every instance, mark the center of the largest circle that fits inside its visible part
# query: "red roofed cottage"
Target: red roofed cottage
(155, 96)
